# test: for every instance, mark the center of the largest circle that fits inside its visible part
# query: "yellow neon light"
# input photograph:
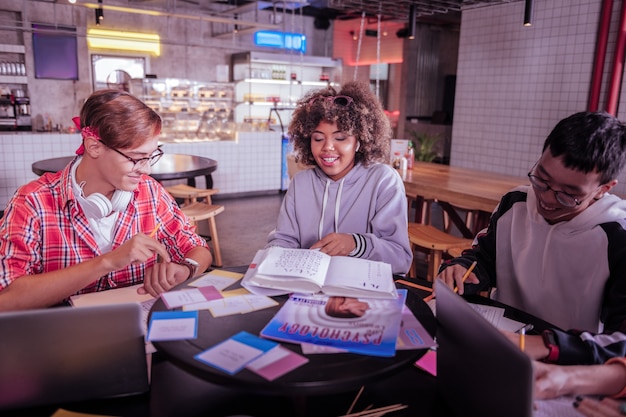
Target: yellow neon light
(125, 41)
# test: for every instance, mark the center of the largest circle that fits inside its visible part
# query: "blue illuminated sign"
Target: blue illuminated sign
(292, 41)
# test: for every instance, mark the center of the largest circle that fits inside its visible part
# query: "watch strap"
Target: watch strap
(192, 266)
(549, 340)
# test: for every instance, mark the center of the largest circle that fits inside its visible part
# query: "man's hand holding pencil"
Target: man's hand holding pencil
(456, 278)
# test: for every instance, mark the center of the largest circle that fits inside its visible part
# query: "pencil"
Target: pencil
(456, 289)
(467, 274)
(410, 284)
(522, 338)
(156, 228)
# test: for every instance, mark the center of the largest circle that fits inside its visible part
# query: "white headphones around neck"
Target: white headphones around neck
(96, 205)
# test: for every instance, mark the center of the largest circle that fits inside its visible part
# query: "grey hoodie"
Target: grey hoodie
(368, 201)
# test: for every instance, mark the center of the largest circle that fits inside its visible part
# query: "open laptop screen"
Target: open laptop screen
(479, 371)
(65, 354)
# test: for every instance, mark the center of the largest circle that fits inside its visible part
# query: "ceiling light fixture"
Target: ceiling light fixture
(412, 21)
(528, 13)
(124, 41)
(99, 16)
(199, 17)
(99, 13)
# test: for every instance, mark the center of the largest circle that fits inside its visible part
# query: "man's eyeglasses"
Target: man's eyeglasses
(564, 199)
(342, 101)
(141, 162)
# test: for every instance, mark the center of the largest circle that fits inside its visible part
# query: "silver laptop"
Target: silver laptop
(479, 371)
(66, 354)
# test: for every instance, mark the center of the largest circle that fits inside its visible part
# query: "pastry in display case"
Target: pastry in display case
(191, 110)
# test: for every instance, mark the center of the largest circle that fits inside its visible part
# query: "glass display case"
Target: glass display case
(191, 110)
(268, 85)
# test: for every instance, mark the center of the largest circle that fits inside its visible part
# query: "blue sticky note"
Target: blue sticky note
(173, 325)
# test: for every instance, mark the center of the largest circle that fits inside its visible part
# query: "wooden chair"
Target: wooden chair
(198, 211)
(423, 208)
(435, 243)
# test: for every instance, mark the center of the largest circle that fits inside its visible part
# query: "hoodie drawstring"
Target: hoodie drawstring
(337, 206)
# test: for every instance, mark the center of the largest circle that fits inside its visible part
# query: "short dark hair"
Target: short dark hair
(121, 120)
(590, 142)
(364, 118)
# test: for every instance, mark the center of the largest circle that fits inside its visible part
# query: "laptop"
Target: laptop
(479, 371)
(66, 354)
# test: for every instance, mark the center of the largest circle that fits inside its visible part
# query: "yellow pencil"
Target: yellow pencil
(522, 338)
(410, 284)
(153, 232)
(467, 274)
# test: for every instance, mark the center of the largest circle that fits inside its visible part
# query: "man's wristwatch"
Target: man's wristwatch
(549, 340)
(192, 265)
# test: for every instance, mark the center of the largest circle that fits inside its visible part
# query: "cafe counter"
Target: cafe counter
(251, 163)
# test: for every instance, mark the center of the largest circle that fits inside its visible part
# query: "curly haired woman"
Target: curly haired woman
(351, 203)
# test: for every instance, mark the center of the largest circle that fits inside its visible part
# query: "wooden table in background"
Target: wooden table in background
(169, 167)
(450, 186)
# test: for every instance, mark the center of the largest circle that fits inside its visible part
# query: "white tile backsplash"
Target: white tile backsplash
(250, 164)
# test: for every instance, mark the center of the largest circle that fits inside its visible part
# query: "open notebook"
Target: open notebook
(65, 354)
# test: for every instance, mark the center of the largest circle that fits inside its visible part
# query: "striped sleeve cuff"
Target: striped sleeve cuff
(359, 250)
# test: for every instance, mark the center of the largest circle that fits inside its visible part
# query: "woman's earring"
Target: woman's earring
(358, 146)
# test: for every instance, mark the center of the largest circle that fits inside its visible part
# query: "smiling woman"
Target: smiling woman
(351, 203)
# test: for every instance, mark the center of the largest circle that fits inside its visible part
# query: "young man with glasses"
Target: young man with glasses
(557, 248)
(102, 222)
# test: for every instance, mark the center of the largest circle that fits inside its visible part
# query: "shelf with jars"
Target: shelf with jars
(268, 85)
(191, 110)
(14, 101)
(12, 65)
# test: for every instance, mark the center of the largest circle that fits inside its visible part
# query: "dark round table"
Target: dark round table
(170, 167)
(323, 374)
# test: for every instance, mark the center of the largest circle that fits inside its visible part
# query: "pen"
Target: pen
(465, 276)
(522, 338)
(153, 232)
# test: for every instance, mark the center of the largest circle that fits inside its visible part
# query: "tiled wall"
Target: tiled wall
(251, 164)
(515, 83)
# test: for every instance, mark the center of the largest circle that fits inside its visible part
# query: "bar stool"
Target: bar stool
(435, 243)
(198, 211)
(191, 194)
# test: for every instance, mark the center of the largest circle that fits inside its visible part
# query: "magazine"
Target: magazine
(276, 271)
(367, 326)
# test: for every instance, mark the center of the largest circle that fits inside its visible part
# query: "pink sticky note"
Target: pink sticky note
(276, 363)
(428, 362)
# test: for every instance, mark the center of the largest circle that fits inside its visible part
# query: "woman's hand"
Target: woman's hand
(336, 244)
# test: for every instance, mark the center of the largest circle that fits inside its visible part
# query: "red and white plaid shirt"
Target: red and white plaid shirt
(44, 229)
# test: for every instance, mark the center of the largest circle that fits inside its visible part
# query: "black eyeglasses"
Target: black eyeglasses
(141, 162)
(342, 101)
(564, 199)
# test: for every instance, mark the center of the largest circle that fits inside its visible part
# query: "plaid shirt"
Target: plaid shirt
(44, 229)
